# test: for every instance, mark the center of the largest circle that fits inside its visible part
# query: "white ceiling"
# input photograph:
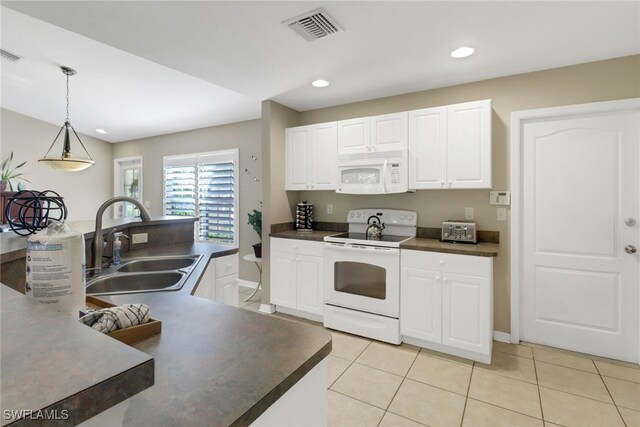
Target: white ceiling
(154, 67)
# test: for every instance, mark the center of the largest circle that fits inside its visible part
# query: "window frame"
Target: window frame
(204, 158)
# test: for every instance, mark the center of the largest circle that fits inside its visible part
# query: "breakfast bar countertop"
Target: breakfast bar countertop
(215, 365)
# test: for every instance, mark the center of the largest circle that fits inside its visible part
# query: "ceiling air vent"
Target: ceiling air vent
(314, 25)
(9, 56)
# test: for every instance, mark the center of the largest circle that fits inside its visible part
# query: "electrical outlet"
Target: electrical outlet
(468, 213)
(502, 214)
(330, 209)
(147, 204)
(139, 238)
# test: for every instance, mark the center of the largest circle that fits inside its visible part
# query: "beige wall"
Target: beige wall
(29, 139)
(599, 81)
(278, 203)
(243, 135)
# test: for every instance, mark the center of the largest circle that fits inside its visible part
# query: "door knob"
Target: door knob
(630, 222)
(630, 249)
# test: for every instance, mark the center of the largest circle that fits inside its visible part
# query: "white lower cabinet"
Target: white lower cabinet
(297, 275)
(446, 303)
(220, 281)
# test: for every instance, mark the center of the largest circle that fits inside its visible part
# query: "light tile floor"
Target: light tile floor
(377, 384)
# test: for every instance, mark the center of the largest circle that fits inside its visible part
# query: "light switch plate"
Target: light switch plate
(500, 198)
(139, 238)
(329, 209)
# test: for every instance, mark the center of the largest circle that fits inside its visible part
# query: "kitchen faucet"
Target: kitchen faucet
(96, 245)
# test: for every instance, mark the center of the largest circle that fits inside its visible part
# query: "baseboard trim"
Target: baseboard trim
(502, 336)
(267, 308)
(247, 284)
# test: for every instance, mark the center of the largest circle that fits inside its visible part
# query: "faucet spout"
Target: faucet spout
(96, 245)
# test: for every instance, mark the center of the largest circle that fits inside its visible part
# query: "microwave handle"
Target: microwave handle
(384, 176)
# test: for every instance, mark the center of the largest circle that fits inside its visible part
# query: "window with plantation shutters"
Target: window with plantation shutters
(204, 185)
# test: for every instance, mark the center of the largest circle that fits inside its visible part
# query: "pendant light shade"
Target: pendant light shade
(67, 161)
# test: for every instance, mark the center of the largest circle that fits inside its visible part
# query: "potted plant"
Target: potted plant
(7, 173)
(255, 220)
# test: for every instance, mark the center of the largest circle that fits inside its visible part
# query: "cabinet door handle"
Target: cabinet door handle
(445, 280)
(438, 278)
(441, 183)
(441, 262)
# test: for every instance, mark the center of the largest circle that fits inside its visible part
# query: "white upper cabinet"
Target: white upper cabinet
(373, 134)
(428, 148)
(310, 157)
(354, 136)
(450, 147)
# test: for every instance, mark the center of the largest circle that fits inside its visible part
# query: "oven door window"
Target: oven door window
(361, 279)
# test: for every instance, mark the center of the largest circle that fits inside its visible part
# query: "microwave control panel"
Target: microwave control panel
(459, 231)
(395, 173)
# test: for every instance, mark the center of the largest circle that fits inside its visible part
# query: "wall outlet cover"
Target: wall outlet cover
(468, 213)
(501, 214)
(139, 238)
(330, 209)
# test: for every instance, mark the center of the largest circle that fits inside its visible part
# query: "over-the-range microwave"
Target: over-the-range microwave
(382, 175)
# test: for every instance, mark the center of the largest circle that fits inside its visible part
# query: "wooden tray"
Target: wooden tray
(132, 334)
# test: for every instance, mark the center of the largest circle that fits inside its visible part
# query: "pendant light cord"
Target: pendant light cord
(67, 97)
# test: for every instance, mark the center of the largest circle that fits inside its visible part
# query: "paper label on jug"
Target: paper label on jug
(51, 272)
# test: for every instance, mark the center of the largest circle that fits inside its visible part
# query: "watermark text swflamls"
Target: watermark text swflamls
(41, 414)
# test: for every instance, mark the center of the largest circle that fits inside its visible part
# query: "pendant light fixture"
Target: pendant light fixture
(67, 161)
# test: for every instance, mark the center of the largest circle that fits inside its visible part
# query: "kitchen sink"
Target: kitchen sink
(157, 264)
(153, 274)
(135, 282)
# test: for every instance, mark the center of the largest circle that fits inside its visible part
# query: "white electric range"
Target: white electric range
(362, 276)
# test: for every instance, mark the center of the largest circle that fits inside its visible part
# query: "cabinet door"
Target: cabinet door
(309, 272)
(205, 287)
(354, 136)
(227, 290)
(428, 148)
(324, 139)
(466, 312)
(420, 304)
(389, 132)
(283, 279)
(469, 145)
(297, 143)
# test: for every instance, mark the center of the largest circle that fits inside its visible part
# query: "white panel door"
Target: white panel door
(466, 312)
(227, 290)
(580, 184)
(325, 146)
(469, 145)
(389, 132)
(309, 284)
(354, 136)
(427, 148)
(283, 279)
(421, 304)
(297, 154)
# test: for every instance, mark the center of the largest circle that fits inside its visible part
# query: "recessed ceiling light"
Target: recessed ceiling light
(101, 131)
(462, 52)
(320, 83)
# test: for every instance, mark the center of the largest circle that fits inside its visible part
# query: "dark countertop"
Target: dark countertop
(51, 361)
(315, 235)
(435, 245)
(216, 365)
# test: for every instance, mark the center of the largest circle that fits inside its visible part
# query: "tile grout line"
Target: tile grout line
(351, 362)
(535, 370)
(398, 389)
(466, 398)
(608, 391)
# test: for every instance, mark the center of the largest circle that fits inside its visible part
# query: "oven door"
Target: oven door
(361, 277)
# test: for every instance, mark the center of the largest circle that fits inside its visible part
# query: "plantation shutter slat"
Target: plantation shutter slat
(216, 197)
(204, 185)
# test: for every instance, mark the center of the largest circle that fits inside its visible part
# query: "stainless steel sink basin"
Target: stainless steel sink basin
(135, 282)
(164, 273)
(157, 264)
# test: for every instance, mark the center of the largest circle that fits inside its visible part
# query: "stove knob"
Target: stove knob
(410, 217)
(403, 216)
(469, 236)
(446, 234)
(351, 216)
(358, 214)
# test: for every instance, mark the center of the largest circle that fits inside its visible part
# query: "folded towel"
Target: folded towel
(113, 318)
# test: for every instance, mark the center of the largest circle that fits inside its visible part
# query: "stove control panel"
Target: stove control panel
(389, 217)
(459, 231)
